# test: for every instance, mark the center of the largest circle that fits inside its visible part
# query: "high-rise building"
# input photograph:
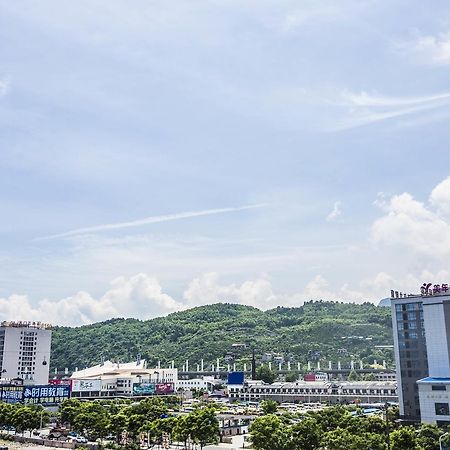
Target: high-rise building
(410, 351)
(421, 326)
(25, 351)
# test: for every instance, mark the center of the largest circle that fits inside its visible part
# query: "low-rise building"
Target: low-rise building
(317, 391)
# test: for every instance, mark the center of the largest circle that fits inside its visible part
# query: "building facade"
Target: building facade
(25, 351)
(317, 391)
(410, 352)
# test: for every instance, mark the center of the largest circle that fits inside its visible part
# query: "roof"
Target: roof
(435, 380)
(110, 368)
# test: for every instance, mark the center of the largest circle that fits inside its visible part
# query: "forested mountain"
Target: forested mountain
(209, 331)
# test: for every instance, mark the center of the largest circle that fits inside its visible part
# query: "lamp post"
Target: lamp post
(440, 440)
(388, 439)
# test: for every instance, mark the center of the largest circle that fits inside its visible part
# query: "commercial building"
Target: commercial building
(421, 325)
(410, 351)
(111, 379)
(317, 391)
(25, 352)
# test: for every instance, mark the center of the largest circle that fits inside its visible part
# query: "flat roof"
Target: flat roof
(434, 380)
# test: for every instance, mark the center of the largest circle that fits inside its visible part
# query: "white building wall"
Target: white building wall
(428, 399)
(36, 372)
(436, 337)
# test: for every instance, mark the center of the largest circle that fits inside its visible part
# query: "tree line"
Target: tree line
(22, 418)
(147, 420)
(338, 429)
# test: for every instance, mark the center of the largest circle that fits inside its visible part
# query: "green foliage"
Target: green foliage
(269, 406)
(353, 376)
(209, 331)
(292, 376)
(21, 417)
(264, 373)
(404, 438)
(306, 435)
(270, 433)
(428, 437)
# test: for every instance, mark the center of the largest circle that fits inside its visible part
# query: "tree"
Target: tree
(404, 439)
(92, 420)
(269, 433)
(265, 374)
(205, 426)
(306, 435)
(428, 436)
(353, 376)
(182, 429)
(269, 406)
(292, 376)
(69, 409)
(118, 423)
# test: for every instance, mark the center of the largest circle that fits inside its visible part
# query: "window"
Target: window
(438, 387)
(441, 409)
(411, 316)
(411, 306)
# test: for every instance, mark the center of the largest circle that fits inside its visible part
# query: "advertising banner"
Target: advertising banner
(143, 388)
(236, 378)
(86, 385)
(165, 388)
(11, 394)
(59, 382)
(46, 395)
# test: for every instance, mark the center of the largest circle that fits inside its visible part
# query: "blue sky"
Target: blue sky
(330, 119)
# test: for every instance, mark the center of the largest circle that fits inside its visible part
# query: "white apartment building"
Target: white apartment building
(25, 351)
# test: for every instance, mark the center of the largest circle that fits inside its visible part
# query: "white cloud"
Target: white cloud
(4, 86)
(362, 108)
(150, 220)
(440, 198)
(430, 49)
(142, 296)
(207, 289)
(411, 225)
(139, 296)
(335, 213)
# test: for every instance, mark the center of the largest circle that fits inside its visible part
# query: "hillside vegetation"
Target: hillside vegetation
(209, 331)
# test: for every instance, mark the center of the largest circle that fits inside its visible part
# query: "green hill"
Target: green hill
(209, 331)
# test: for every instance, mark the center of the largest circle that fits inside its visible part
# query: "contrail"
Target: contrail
(150, 220)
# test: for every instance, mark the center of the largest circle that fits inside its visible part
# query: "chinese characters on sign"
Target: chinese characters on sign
(11, 394)
(45, 395)
(433, 289)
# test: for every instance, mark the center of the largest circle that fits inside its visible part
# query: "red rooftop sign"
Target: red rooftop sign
(433, 289)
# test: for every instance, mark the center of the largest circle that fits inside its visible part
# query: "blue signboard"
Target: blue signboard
(11, 394)
(236, 378)
(45, 394)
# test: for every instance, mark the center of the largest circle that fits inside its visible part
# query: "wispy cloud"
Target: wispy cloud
(335, 213)
(150, 220)
(4, 85)
(363, 108)
(429, 49)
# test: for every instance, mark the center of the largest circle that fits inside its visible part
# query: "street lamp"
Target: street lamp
(440, 440)
(388, 439)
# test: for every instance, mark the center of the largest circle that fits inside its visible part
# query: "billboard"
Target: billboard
(236, 378)
(143, 388)
(59, 382)
(11, 394)
(86, 385)
(45, 394)
(165, 388)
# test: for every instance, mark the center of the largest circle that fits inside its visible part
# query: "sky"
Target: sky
(158, 155)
